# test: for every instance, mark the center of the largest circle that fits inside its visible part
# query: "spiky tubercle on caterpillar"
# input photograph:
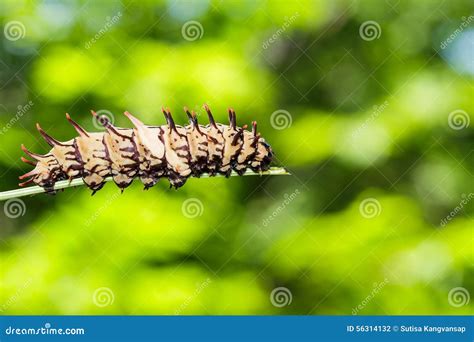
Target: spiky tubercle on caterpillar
(149, 152)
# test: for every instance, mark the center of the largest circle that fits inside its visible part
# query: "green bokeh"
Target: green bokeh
(359, 227)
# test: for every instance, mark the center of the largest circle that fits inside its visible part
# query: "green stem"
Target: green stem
(32, 190)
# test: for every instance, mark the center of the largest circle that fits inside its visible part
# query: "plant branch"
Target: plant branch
(32, 190)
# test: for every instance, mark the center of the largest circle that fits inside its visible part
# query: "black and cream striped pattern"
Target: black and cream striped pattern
(149, 152)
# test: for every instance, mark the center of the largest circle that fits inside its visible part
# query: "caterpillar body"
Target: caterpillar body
(149, 152)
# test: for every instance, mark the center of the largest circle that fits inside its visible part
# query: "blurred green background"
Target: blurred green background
(368, 103)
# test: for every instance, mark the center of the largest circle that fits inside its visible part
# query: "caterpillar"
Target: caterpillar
(149, 152)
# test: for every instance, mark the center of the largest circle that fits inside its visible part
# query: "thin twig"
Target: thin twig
(32, 190)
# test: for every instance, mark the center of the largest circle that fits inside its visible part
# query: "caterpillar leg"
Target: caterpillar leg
(95, 187)
(148, 183)
(150, 177)
(176, 180)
